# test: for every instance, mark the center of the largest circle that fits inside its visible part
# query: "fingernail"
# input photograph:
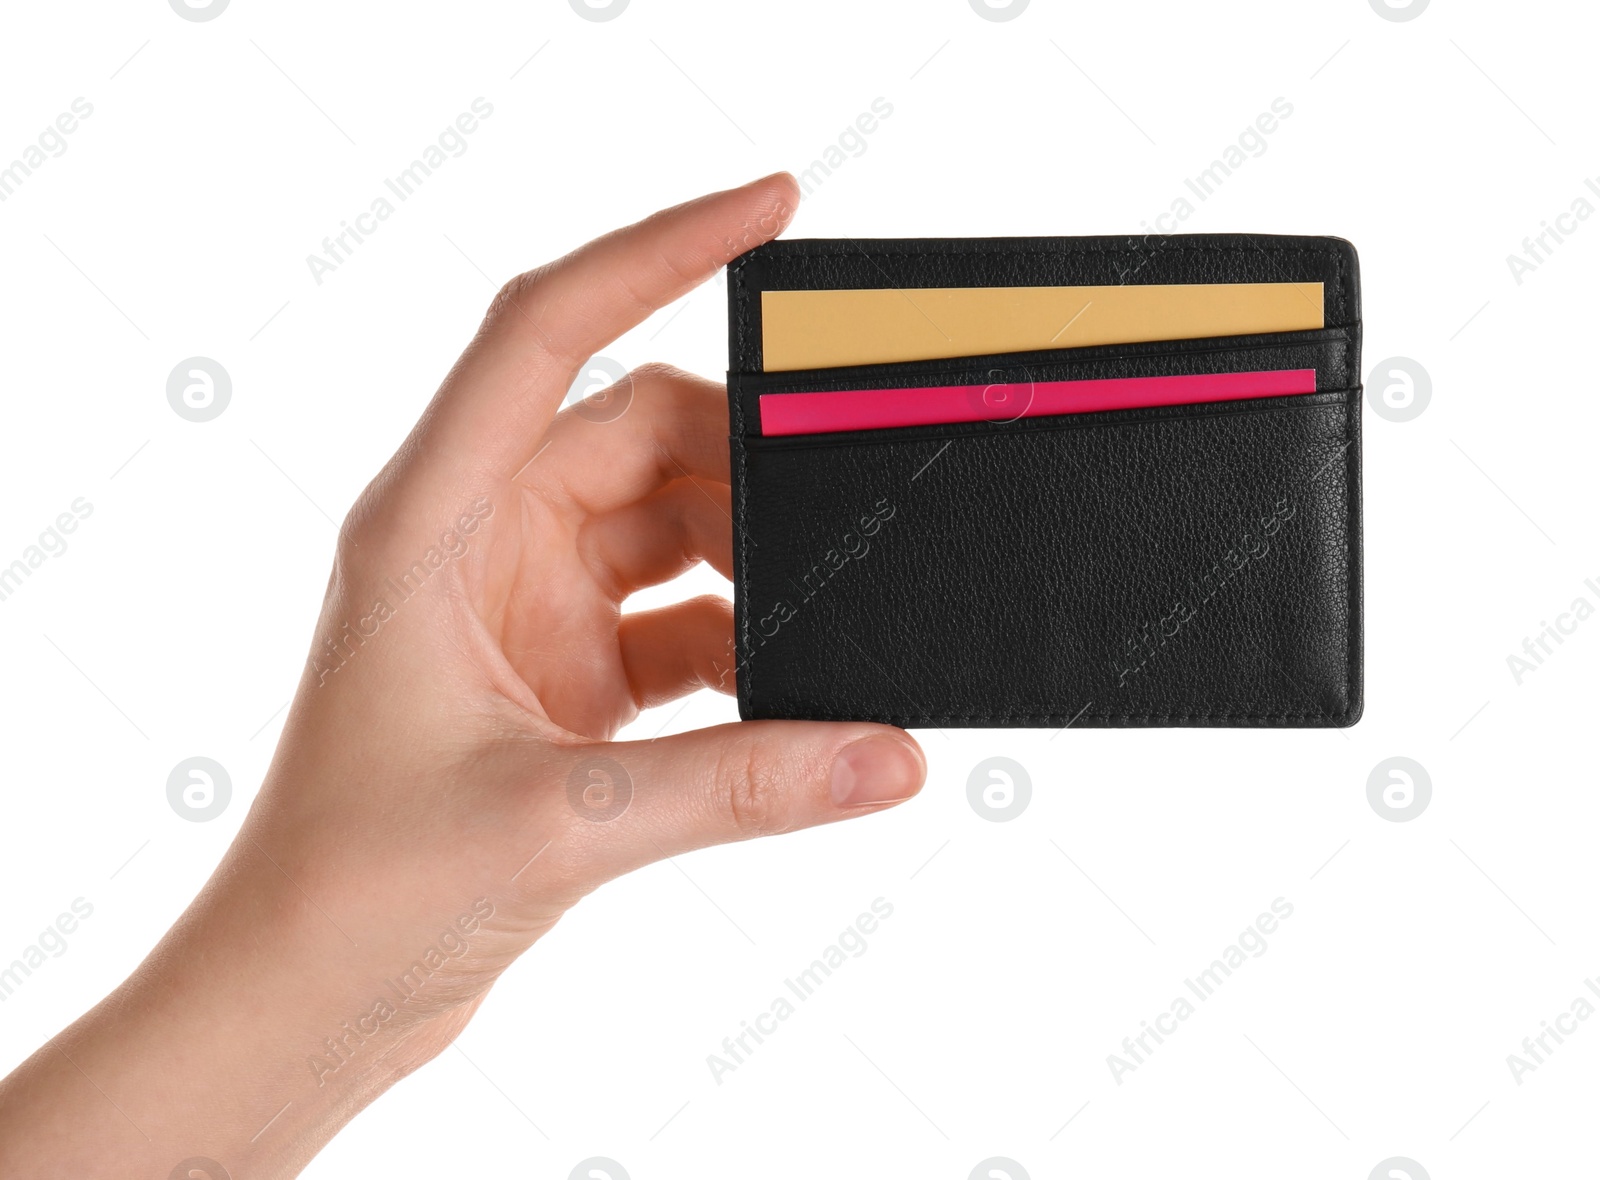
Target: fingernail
(878, 769)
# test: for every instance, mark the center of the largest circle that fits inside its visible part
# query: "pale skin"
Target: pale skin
(422, 778)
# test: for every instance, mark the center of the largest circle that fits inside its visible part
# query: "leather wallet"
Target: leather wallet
(1169, 565)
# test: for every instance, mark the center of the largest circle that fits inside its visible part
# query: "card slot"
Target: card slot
(1099, 420)
(1335, 341)
(909, 264)
(1328, 351)
(1151, 567)
(880, 409)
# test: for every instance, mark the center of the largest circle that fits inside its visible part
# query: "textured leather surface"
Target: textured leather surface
(1193, 565)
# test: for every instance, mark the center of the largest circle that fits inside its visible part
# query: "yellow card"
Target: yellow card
(828, 329)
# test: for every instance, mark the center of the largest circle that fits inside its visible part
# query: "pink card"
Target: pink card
(879, 409)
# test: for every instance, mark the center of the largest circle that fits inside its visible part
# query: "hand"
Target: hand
(445, 787)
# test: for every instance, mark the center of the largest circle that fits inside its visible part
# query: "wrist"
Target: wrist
(245, 1037)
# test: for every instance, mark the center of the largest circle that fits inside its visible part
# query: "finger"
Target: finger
(546, 323)
(655, 425)
(653, 540)
(735, 782)
(677, 649)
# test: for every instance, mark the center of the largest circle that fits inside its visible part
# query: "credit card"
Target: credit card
(881, 409)
(833, 329)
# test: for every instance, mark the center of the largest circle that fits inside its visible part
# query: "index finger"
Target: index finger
(546, 323)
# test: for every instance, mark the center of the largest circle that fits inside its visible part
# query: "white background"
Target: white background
(218, 156)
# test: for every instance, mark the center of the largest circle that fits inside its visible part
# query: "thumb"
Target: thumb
(734, 782)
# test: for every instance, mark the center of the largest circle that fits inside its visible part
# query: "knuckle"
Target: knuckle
(674, 393)
(565, 872)
(750, 781)
(682, 272)
(360, 525)
(712, 605)
(654, 373)
(708, 615)
(517, 310)
(374, 522)
(357, 540)
(516, 293)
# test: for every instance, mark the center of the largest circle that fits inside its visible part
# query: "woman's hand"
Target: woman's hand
(445, 787)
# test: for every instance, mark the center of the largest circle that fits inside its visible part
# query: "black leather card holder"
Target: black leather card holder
(1188, 565)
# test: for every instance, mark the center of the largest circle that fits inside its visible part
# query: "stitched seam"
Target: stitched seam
(915, 719)
(744, 678)
(1352, 575)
